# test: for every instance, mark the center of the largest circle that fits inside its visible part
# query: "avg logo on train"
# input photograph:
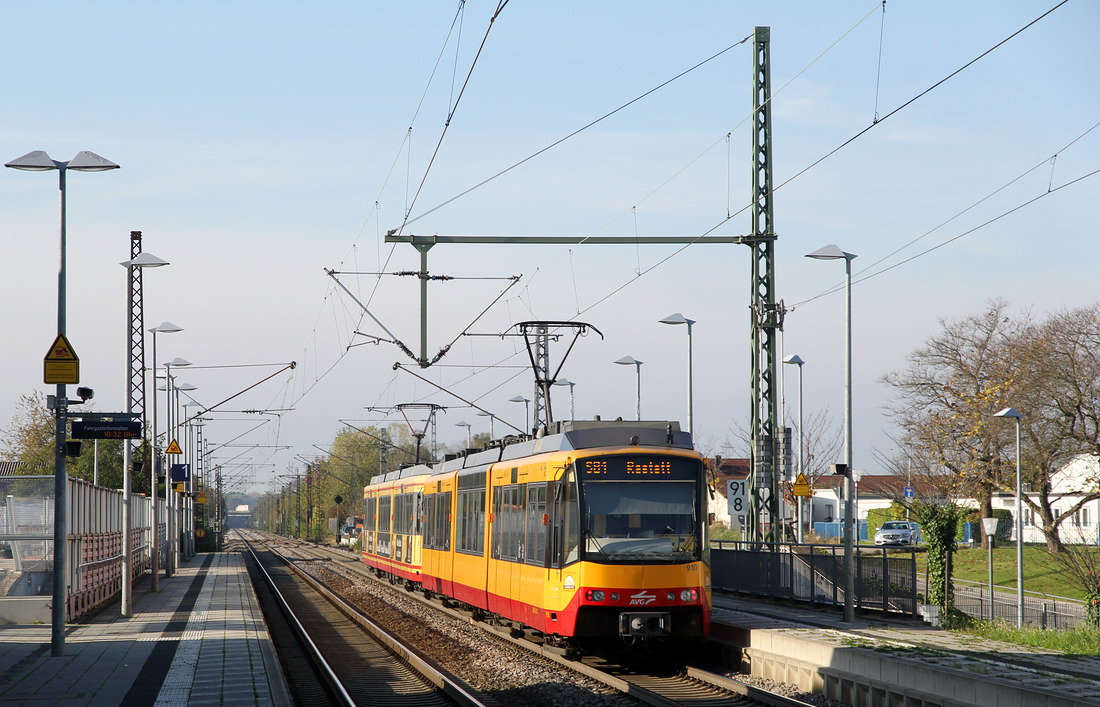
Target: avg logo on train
(591, 531)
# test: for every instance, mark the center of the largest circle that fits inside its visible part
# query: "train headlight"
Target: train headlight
(594, 595)
(689, 595)
(614, 596)
(671, 596)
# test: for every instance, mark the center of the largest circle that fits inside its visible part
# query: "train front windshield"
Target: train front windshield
(640, 509)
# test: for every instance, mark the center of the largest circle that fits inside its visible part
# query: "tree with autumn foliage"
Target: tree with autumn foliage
(354, 456)
(946, 396)
(943, 402)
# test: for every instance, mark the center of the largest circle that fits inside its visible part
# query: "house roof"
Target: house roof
(728, 470)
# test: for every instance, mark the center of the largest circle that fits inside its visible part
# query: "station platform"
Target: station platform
(200, 640)
(877, 660)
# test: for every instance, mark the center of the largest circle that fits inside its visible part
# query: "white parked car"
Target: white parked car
(898, 532)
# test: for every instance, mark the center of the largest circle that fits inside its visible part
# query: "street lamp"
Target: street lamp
(629, 361)
(526, 407)
(990, 527)
(492, 419)
(831, 252)
(142, 260)
(189, 461)
(566, 381)
(678, 318)
(796, 360)
(164, 328)
(39, 161)
(1011, 412)
(467, 426)
(170, 522)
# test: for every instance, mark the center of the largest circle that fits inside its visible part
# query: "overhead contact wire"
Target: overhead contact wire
(447, 124)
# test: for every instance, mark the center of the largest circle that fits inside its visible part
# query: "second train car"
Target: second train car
(594, 530)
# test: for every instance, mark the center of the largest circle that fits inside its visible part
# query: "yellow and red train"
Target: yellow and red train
(594, 530)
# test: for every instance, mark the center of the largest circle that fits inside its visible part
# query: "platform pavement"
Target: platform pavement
(200, 640)
(1075, 677)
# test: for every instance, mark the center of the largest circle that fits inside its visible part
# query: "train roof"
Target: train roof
(586, 434)
(564, 436)
(415, 470)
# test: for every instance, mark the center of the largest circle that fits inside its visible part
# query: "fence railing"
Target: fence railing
(1040, 610)
(94, 555)
(885, 580)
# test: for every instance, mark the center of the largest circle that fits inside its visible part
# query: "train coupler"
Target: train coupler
(645, 623)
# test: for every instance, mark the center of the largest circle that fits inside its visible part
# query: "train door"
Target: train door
(517, 592)
(498, 571)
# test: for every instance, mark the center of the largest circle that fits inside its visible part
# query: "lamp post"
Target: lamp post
(39, 161)
(164, 328)
(796, 360)
(142, 260)
(678, 318)
(630, 361)
(170, 521)
(831, 252)
(467, 426)
(1011, 412)
(492, 419)
(990, 527)
(566, 381)
(526, 407)
(190, 459)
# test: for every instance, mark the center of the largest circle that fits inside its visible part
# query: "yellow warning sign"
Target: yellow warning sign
(173, 448)
(61, 365)
(801, 486)
(201, 499)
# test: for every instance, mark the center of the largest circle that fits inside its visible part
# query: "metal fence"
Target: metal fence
(1040, 610)
(885, 580)
(94, 555)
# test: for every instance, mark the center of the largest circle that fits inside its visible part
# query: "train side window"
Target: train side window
(369, 507)
(429, 521)
(509, 542)
(446, 516)
(495, 523)
(470, 521)
(536, 531)
(565, 524)
(384, 513)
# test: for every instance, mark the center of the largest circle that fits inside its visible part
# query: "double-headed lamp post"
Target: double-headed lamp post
(1011, 413)
(630, 361)
(796, 360)
(678, 318)
(831, 252)
(39, 161)
(142, 260)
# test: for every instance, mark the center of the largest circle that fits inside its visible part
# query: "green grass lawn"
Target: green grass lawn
(1042, 572)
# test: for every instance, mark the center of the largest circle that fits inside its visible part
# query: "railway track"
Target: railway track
(632, 683)
(350, 660)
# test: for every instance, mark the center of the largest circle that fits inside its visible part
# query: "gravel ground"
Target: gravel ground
(512, 675)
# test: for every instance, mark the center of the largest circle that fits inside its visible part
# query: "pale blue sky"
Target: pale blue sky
(256, 139)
